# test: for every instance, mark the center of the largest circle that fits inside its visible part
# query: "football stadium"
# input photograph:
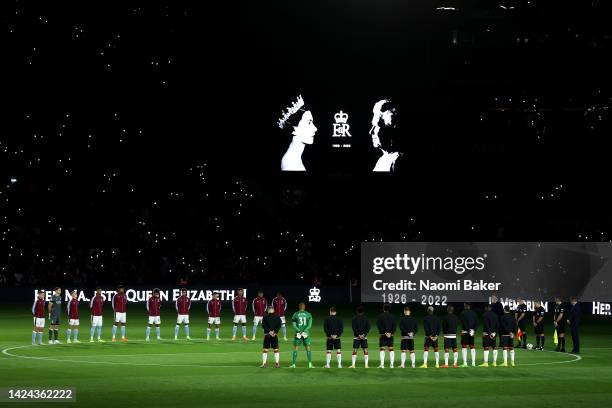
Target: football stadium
(331, 203)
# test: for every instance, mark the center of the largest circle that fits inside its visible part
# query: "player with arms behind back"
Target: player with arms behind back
(408, 328)
(279, 303)
(239, 306)
(213, 308)
(153, 309)
(73, 317)
(182, 305)
(507, 327)
(361, 327)
(538, 324)
(431, 326)
(38, 315)
(449, 330)
(333, 327)
(386, 327)
(490, 322)
(271, 324)
(302, 322)
(469, 324)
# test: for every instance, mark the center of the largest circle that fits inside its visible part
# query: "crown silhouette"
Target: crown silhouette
(315, 291)
(341, 117)
(290, 110)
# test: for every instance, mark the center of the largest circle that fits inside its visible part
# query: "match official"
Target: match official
(575, 316)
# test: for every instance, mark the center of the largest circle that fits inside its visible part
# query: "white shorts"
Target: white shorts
(120, 317)
(257, 320)
(182, 319)
(239, 319)
(283, 319)
(96, 321)
(214, 320)
(39, 322)
(73, 322)
(154, 320)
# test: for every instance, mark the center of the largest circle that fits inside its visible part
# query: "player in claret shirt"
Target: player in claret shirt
(97, 310)
(469, 324)
(260, 304)
(538, 324)
(490, 330)
(279, 303)
(38, 314)
(182, 304)
(239, 306)
(213, 308)
(119, 303)
(386, 327)
(153, 307)
(449, 330)
(73, 317)
(271, 324)
(431, 326)
(408, 328)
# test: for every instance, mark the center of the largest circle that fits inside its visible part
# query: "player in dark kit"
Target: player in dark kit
(469, 324)
(449, 331)
(386, 327)
(490, 322)
(507, 327)
(55, 310)
(361, 328)
(333, 327)
(559, 323)
(271, 324)
(431, 326)
(408, 328)
(538, 324)
(521, 320)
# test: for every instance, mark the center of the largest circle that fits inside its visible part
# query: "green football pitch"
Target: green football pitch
(224, 373)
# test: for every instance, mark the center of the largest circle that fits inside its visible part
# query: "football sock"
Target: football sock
(276, 356)
(217, 332)
(91, 332)
(208, 332)
(68, 334)
(327, 358)
(486, 356)
(284, 328)
(455, 357)
(524, 339)
(294, 357)
(309, 355)
(464, 355)
(512, 355)
(403, 358)
(339, 357)
(382, 357)
(473, 355)
(412, 358)
(391, 357)
(176, 330)
(537, 341)
(425, 355)
(505, 354)
(122, 331)
(99, 331)
(114, 330)
(50, 334)
(254, 330)
(39, 337)
(495, 355)
(562, 343)
(55, 332)
(33, 337)
(445, 358)
(76, 334)
(264, 357)
(244, 331)
(148, 331)
(437, 356)
(543, 341)
(234, 331)
(186, 330)
(366, 357)
(353, 358)
(158, 331)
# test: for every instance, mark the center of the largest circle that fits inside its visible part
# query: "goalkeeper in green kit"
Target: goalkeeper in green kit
(302, 322)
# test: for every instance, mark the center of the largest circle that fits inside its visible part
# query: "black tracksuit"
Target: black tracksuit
(575, 316)
(333, 326)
